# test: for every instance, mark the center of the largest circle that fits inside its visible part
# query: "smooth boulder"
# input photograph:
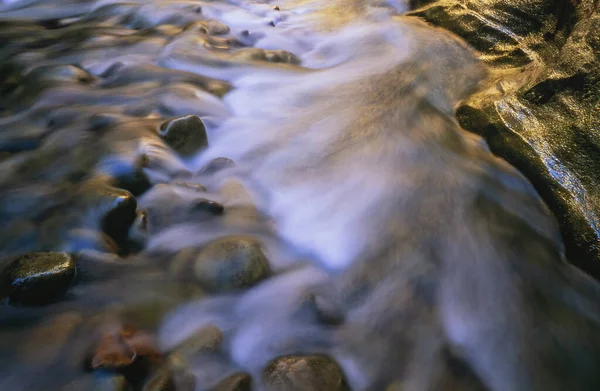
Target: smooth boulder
(231, 263)
(38, 278)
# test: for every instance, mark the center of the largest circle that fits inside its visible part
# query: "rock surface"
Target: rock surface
(38, 278)
(186, 135)
(299, 373)
(539, 110)
(231, 263)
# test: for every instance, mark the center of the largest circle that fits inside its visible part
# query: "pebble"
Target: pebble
(231, 263)
(38, 278)
(301, 373)
(215, 165)
(186, 135)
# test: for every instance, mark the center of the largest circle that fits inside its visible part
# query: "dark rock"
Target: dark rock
(186, 135)
(540, 118)
(300, 373)
(112, 209)
(38, 278)
(239, 381)
(209, 206)
(215, 165)
(231, 263)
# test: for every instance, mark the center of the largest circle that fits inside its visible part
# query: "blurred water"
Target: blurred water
(349, 169)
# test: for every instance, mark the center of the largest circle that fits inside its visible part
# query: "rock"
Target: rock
(38, 278)
(192, 186)
(299, 373)
(186, 135)
(541, 117)
(231, 263)
(215, 165)
(169, 204)
(111, 209)
(239, 381)
(60, 74)
(209, 206)
(207, 339)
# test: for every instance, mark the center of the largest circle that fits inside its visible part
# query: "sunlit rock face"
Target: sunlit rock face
(540, 111)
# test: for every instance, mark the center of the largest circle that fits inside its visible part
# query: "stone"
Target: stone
(300, 373)
(231, 263)
(111, 209)
(186, 135)
(215, 165)
(206, 339)
(539, 111)
(239, 381)
(38, 278)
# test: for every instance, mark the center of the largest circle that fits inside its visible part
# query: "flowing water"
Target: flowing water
(349, 170)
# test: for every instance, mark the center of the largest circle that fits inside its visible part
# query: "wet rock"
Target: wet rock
(38, 278)
(299, 373)
(119, 349)
(186, 135)
(60, 73)
(209, 206)
(276, 56)
(239, 381)
(231, 263)
(215, 165)
(539, 117)
(169, 204)
(192, 186)
(206, 339)
(112, 209)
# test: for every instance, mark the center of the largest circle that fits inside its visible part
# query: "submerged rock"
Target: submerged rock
(215, 165)
(299, 373)
(231, 263)
(38, 278)
(186, 135)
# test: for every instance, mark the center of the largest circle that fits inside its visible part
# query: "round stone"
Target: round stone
(186, 135)
(231, 263)
(299, 373)
(38, 278)
(215, 165)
